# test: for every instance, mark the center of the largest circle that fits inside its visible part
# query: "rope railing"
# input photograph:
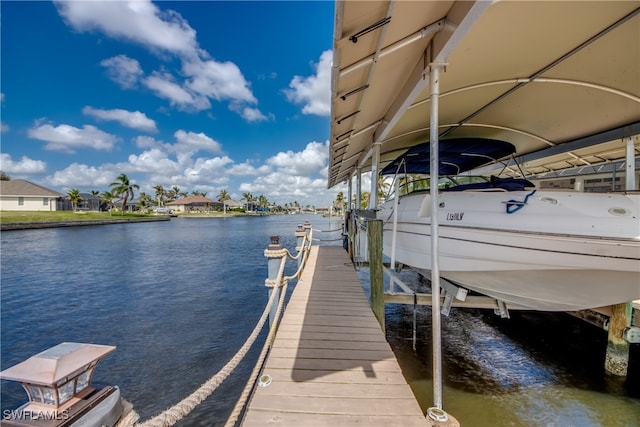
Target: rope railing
(172, 415)
(246, 392)
(330, 231)
(178, 411)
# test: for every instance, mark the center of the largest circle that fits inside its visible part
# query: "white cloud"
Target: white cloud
(163, 32)
(152, 161)
(123, 70)
(293, 176)
(247, 169)
(144, 141)
(307, 162)
(130, 119)
(314, 91)
(165, 86)
(21, 167)
(218, 80)
(3, 126)
(137, 21)
(68, 138)
(208, 171)
(192, 141)
(83, 176)
(253, 115)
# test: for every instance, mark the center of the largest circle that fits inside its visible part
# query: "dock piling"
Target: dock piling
(274, 254)
(374, 229)
(617, 357)
(300, 238)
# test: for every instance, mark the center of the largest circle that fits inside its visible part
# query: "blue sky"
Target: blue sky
(203, 95)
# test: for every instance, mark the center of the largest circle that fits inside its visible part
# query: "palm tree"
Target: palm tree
(248, 197)
(122, 187)
(223, 197)
(160, 195)
(75, 197)
(383, 188)
(364, 199)
(144, 201)
(339, 203)
(263, 201)
(108, 198)
(173, 193)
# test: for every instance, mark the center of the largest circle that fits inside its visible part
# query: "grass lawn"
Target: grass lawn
(7, 217)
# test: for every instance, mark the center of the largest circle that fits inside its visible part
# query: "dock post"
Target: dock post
(307, 228)
(274, 254)
(617, 357)
(374, 228)
(300, 235)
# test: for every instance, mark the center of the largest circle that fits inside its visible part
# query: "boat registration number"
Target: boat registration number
(455, 216)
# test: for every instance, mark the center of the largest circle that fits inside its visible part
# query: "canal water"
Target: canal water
(178, 298)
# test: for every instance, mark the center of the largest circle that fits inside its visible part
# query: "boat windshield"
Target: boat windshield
(412, 183)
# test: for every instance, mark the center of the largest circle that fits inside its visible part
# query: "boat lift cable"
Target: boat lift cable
(174, 414)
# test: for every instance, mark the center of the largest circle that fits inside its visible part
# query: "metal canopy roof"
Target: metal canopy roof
(54, 364)
(555, 75)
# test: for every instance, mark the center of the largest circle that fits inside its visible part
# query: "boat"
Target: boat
(502, 237)
(58, 382)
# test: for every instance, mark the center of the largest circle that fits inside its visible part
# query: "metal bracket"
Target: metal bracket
(451, 291)
(502, 309)
(632, 335)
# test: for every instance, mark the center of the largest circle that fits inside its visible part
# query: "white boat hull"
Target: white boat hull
(562, 251)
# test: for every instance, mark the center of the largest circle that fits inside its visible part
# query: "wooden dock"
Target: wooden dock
(330, 364)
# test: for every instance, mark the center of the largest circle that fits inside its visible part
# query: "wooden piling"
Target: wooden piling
(374, 230)
(617, 357)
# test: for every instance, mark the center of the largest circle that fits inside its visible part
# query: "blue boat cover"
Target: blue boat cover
(455, 156)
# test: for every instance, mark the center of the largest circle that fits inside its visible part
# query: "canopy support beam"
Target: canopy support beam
(434, 82)
(630, 165)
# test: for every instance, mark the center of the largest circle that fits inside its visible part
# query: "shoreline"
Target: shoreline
(55, 224)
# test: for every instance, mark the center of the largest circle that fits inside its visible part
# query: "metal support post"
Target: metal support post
(358, 188)
(375, 160)
(631, 166)
(434, 82)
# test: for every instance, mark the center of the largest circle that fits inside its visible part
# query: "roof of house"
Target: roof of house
(192, 200)
(20, 187)
(233, 203)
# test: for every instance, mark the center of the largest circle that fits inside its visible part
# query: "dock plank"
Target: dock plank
(330, 363)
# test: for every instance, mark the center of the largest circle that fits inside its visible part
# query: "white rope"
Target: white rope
(329, 231)
(244, 396)
(172, 415)
(240, 404)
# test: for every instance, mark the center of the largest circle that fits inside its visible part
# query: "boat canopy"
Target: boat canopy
(557, 79)
(51, 366)
(455, 155)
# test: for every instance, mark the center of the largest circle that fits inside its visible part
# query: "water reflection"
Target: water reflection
(179, 298)
(534, 369)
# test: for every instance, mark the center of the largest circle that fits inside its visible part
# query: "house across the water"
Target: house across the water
(21, 195)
